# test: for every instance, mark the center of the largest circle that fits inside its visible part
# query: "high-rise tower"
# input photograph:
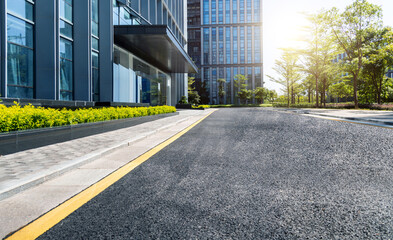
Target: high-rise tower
(225, 39)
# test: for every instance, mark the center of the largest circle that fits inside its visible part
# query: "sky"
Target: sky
(283, 20)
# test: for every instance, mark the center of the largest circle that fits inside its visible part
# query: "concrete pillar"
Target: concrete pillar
(3, 45)
(46, 50)
(82, 50)
(106, 50)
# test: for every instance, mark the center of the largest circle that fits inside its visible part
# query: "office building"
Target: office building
(225, 39)
(94, 50)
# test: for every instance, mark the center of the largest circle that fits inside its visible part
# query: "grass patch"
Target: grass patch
(16, 118)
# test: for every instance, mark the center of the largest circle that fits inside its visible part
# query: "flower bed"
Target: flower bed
(16, 118)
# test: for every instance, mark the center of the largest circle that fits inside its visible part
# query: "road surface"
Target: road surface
(251, 174)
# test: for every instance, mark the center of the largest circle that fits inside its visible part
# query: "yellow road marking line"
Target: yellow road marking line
(36, 228)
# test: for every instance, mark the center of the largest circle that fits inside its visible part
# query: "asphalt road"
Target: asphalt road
(251, 174)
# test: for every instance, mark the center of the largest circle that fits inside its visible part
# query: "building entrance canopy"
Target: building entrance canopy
(155, 44)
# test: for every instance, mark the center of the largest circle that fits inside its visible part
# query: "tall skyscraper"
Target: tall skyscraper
(225, 39)
(94, 50)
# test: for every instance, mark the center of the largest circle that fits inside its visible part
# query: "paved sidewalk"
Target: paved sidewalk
(25, 169)
(374, 116)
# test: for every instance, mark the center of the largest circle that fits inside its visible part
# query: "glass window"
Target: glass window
(94, 11)
(66, 29)
(227, 11)
(95, 75)
(249, 11)
(206, 12)
(19, 31)
(258, 78)
(95, 48)
(241, 9)
(257, 44)
(21, 8)
(235, 51)
(214, 12)
(66, 70)
(20, 53)
(66, 9)
(249, 44)
(221, 45)
(257, 11)
(94, 43)
(228, 44)
(20, 71)
(125, 17)
(66, 49)
(242, 45)
(234, 11)
(249, 78)
(206, 46)
(220, 11)
(214, 46)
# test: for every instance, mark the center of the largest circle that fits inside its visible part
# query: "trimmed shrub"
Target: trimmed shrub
(200, 106)
(29, 117)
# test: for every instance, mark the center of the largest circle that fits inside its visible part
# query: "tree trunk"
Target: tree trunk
(316, 92)
(355, 91)
(324, 94)
(309, 96)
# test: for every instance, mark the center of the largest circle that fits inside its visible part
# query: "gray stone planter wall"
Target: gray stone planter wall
(13, 142)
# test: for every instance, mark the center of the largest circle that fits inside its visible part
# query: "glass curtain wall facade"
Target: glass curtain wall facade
(40, 50)
(233, 44)
(146, 83)
(65, 50)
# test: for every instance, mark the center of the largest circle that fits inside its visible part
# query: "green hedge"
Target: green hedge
(387, 106)
(200, 106)
(29, 117)
(240, 105)
(300, 105)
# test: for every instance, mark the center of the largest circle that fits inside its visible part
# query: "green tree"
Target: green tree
(240, 83)
(244, 95)
(221, 90)
(272, 96)
(378, 59)
(318, 54)
(288, 71)
(203, 91)
(340, 90)
(193, 96)
(261, 93)
(350, 29)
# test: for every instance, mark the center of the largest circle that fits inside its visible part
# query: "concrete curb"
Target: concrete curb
(310, 112)
(351, 118)
(56, 171)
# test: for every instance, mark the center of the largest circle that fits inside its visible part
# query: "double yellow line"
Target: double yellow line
(51, 218)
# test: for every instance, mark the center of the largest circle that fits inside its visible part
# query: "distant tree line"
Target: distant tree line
(346, 56)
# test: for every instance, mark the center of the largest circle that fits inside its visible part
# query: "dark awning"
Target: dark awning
(157, 45)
